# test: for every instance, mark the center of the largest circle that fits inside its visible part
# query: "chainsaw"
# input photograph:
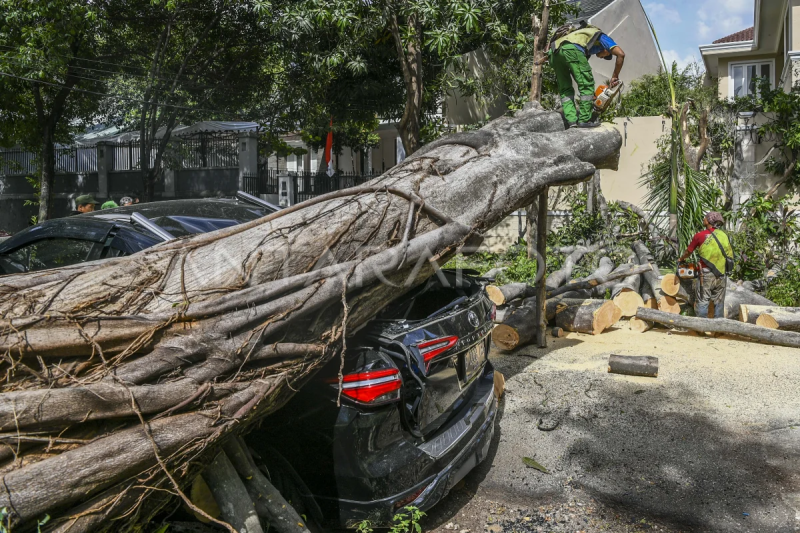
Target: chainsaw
(606, 97)
(687, 270)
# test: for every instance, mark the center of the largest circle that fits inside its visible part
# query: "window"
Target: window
(745, 77)
(49, 253)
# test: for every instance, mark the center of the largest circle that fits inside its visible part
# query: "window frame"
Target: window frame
(745, 64)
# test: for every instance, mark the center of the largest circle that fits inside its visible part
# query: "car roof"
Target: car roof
(200, 207)
(74, 227)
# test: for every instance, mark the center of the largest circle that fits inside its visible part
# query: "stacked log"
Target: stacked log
(578, 315)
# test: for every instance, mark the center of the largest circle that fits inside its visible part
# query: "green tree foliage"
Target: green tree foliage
(651, 94)
(46, 52)
(189, 60)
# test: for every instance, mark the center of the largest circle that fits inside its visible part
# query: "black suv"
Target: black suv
(417, 411)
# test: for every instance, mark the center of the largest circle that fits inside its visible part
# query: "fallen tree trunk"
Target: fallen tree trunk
(772, 317)
(560, 276)
(207, 308)
(731, 327)
(622, 271)
(503, 294)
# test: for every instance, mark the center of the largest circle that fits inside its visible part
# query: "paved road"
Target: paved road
(712, 444)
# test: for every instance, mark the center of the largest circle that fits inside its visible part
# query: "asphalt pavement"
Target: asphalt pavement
(711, 444)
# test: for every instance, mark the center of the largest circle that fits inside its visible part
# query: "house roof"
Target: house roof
(743, 35)
(590, 8)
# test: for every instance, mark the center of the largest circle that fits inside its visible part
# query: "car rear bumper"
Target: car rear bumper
(472, 448)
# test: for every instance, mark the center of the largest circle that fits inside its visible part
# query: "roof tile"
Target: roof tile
(744, 35)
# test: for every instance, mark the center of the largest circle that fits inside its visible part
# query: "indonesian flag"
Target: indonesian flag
(329, 150)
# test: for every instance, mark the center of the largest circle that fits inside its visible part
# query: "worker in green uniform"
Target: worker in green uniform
(570, 58)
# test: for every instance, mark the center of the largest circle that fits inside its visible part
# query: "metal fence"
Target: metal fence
(264, 182)
(127, 156)
(206, 151)
(76, 160)
(307, 185)
(17, 163)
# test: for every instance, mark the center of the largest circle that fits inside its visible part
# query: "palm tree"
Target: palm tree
(675, 188)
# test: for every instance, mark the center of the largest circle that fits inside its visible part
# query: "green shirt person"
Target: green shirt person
(714, 249)
(570, 59)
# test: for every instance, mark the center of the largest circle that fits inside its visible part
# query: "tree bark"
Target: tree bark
(595, 284)
(235, 505)
(651, 277)
(732, 327)
(410, 56)
(541, 254)
(211, 308)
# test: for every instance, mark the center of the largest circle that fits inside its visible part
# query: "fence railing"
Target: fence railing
(17, 163)
(206, 151)
(76, 160)
(307, 185)
(264, 182)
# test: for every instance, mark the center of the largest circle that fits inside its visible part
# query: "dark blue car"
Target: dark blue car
(122, 231)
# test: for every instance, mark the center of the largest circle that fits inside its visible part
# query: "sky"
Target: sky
(683, 25)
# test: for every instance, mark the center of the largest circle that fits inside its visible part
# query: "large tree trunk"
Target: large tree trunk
(48, 171)
(773, 317)
(220, 308)
(409, 53)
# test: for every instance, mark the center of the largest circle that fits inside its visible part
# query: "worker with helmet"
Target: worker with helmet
(570, 49)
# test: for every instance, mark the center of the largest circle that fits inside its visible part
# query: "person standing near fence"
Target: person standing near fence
(84, 204)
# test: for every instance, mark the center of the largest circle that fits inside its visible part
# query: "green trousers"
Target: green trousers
(569, 63)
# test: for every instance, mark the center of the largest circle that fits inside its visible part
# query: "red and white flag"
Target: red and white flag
(329, 150)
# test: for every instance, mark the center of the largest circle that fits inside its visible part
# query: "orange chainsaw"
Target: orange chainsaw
(606, 97)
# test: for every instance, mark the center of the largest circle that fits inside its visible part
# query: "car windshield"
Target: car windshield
(181, 226)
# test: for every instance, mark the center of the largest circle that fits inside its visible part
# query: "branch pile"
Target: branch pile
(121, 378)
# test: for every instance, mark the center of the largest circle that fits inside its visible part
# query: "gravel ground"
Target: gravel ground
(712, 444)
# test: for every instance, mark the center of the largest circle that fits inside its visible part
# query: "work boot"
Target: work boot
(588, 124)
(572, 125)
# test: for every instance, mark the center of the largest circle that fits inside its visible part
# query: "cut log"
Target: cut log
(309, 274)
(668, 304)
(784, 318)
(731, 327)
(628, 301)
(518, 328)
(617, 316)
(680, 289)
(582, 316)
(670, 284)
(557, 332)
(639, 325)
(633, 365)
(750, 313)
(503, 294)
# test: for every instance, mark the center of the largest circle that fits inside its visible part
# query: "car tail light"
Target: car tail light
(375, 386)
(493, 313)
(430, 349)
(405, 501)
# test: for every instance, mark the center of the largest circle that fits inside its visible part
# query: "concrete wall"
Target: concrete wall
(625, 22)
(639, 138)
